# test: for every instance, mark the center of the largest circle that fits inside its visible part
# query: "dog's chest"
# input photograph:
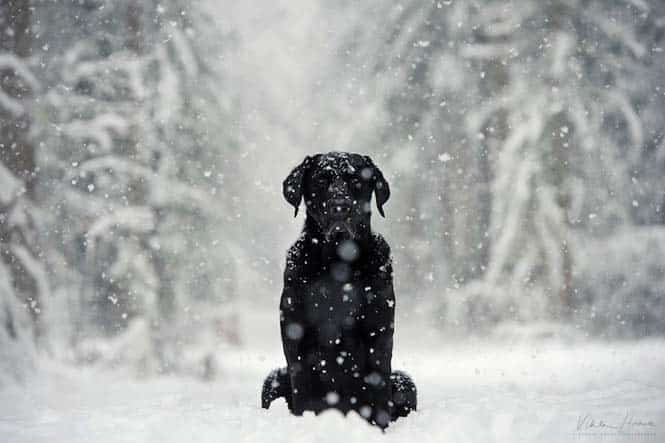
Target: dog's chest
(336, 305)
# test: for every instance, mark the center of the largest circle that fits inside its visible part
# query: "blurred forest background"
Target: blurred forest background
(143, 144)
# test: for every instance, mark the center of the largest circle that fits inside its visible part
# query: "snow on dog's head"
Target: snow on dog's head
(337, 188)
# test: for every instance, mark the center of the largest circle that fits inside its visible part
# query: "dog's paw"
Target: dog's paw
(275, 385)
(405, 394)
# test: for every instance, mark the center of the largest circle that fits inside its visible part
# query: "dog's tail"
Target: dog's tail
(276, 385)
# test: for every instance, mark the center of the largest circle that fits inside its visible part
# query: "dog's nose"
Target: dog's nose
(340, 206)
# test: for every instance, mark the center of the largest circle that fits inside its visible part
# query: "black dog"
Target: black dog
(338, 306)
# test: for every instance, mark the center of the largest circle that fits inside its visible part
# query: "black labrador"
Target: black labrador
(338, 306)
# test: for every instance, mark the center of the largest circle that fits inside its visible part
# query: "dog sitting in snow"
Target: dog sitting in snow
(337, 308)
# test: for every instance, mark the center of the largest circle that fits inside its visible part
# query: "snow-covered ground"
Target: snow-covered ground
(469, 391)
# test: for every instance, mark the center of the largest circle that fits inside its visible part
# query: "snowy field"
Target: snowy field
(469, 391)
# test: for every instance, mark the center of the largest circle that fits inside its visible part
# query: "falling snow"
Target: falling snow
(143, 148)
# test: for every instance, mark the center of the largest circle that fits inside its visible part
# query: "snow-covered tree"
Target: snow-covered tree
(569, 112)
(517, 124)
(136, 174)
(23, 283)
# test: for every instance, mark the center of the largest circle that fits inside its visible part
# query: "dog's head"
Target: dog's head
(337, 188)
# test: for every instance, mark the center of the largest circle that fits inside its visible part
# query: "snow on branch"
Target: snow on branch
(184, 53)
(642, 5)
(99, 129)
(116, 164)
(11, 61)
(119, 71)
(35, 268)
(167, 191)
(501, 20)
(483, 51)
(614, 30)
(623, 105)
(563, 48)
(10, 186)
(139, 219)
(11, 104)
(169, 89)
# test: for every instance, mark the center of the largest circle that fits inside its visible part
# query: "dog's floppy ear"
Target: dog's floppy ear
(293, 185)
(381, 187)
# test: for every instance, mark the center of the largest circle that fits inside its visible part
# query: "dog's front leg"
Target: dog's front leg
(379, 329)
(293, 338)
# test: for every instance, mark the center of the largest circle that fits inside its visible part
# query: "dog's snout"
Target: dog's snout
(341, 206)
(340, 201)
(339, 188)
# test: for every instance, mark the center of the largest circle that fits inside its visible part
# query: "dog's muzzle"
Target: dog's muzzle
(339, 219)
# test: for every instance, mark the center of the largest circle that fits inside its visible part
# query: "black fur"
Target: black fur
(276, 385)
(405, 396)
(337, 306)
